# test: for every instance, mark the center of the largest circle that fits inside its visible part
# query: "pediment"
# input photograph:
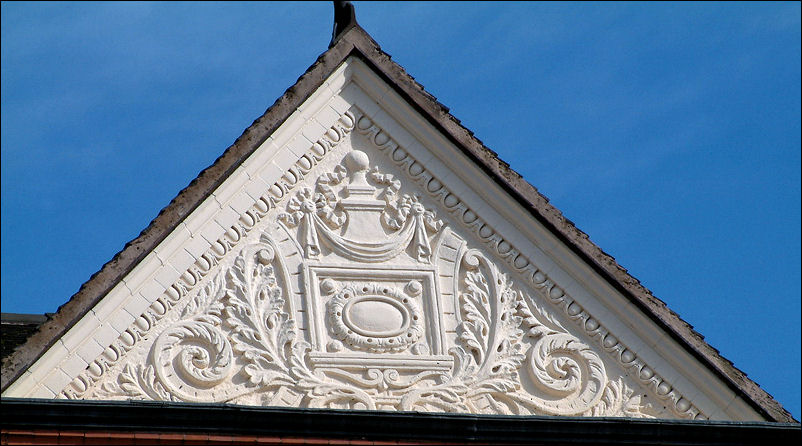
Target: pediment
(359, 259)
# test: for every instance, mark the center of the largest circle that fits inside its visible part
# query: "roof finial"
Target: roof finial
(344, 18)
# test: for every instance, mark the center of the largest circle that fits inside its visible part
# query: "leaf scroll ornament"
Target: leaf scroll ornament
(265, 335)
(236, 342)
(489, 351)
(192, 356)
(262, 332)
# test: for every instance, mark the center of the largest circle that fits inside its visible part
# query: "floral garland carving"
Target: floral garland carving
(319, 213)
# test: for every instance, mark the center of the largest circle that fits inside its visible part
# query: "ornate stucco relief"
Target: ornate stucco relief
(360, 281)
(190, 280)
(668, 397)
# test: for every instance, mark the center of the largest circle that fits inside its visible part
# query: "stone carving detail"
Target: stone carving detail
(375, 318)
(318, 214)
(141, 327)
(238, 330)
(372, 330)
(493, 350)
(677, 405)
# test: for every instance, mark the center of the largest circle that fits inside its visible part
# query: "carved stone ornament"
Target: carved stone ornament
(375, 317)
(375, 230)
(346, 287)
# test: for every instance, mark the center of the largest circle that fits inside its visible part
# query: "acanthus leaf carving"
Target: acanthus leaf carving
(238, 340)
(262, 331)
(138, 382)
(194, 357)
(571, 376)
(502, 356)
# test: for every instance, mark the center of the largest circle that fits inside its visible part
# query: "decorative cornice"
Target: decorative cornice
(521, 264)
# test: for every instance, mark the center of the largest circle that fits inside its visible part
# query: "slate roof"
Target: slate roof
(352, 40)
(16, 329)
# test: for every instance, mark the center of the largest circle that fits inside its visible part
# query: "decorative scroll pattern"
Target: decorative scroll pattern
(194, 356)
(238, 341)
(239, 330)
(383, 142)
(174, 294)
(569, 376)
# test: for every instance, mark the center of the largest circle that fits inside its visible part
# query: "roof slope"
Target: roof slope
(354, 41)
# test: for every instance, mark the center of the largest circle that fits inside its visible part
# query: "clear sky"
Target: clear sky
(670, 133)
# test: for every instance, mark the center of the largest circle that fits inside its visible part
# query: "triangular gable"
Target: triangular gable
(402, 266)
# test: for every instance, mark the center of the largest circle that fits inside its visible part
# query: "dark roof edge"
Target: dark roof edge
(32, 414)
(22, 318)
(358, 41)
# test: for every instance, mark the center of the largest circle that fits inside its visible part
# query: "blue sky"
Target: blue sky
(669, 132)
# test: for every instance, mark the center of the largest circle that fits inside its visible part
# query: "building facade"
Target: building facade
(355, 253)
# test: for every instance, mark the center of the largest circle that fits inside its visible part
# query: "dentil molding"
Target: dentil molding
(359, 280)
